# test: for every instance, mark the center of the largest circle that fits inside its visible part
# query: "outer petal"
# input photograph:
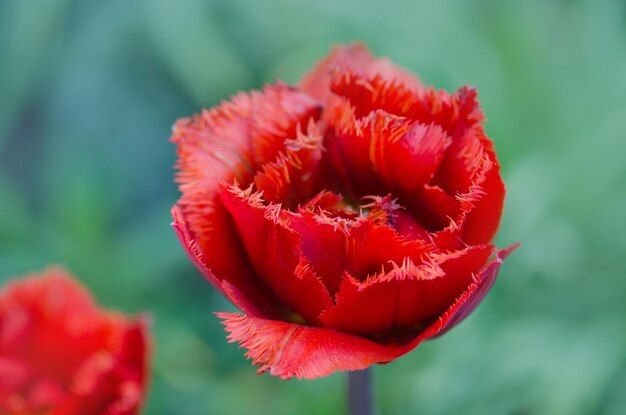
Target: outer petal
(226, 143)
(356, 58)
(485, 281)
(462, 162)
(210, 239)
(235, 138)
(477, 212)
(482, 222)
(242, 288)
(454, 113)
(274, 249)
(287, 350)
(408, 297)
(370, 93)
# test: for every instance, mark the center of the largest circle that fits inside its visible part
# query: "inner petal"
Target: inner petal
(385, 154)
(364, 246)
(290, 178)
(276, 116)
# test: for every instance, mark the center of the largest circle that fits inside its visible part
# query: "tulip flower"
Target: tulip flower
(349, 217)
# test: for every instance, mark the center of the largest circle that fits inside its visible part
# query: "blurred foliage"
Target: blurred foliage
(89, 90)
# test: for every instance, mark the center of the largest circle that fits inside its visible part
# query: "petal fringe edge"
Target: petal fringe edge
(291, 350)
(255, 300)
(287, 350)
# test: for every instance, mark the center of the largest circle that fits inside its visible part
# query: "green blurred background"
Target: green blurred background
(90, 89)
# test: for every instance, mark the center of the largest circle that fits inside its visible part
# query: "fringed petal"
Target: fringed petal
(232, 142)
(382, 153)
(462, 164)
(482, 221)
(355, 58)
(278, 116)
(237, 279)
(407, 297)
(369, 94)
(454, 113)
(290, 350)
(479, 208)
(433, 208)
(361, 246)
(274, 250)
(290, 178)
(483, 284)
(235, 138)
(287, 350)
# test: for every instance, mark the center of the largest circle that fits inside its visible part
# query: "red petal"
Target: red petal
(485, 280)
(382, 153)
(462, 163)
(52, 310)
(464, 160)
(433, 207)
(214, 146)
(355, 58)
(368, 94)
(290, 178)
(318, 239)
(360, 247)
(480, 207)
(407, 226)
(239, 282)
(233, 139)
(212, 237)
(454, 113)
(50, 323)
(409, 161)
(324, 200)
(483, 220)
(349, 153)
(275, 118)
(274, 249)
(409, 296)
(287, 350)
(226, 143)
(111, 383)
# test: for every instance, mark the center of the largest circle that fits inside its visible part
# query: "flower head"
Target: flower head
(62, 355)
(349, 218)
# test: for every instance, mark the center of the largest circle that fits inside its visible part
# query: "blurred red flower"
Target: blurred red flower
(349, 218)
(62, 355)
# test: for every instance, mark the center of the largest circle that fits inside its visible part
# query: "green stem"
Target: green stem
(360, 393)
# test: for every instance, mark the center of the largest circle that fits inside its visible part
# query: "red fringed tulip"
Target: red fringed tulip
(349, 218)
(62, 355)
